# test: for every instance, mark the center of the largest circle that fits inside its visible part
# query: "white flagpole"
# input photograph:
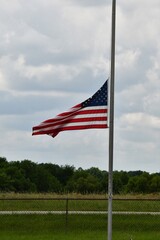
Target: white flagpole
(111, 122)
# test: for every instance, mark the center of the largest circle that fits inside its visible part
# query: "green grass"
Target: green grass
(80, 205)
(137, 205)
(50, 227)
(79, 227)
(136, 227)
(53, 227)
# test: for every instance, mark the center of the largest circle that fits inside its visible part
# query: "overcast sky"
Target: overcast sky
(55, 54)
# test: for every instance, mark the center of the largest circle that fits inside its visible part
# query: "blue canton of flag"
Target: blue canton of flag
(99, 98)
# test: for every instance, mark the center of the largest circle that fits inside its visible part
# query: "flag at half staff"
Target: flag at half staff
(92, 113)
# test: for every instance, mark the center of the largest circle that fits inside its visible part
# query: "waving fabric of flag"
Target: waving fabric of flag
(92, 113)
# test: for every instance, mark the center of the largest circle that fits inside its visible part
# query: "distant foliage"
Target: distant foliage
(27, 176)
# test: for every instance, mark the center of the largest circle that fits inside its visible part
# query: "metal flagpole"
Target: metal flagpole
(111, 122)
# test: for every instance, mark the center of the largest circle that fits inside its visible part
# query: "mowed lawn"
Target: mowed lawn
(79, 227)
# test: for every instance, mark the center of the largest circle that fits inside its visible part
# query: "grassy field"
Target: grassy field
(79, 227)
(33, 227)
(17, 202)
(76, 205)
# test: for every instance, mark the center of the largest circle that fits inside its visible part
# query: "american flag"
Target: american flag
(92, 113)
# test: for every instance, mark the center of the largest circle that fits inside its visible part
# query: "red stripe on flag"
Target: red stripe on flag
(70, 120)
(57, 130)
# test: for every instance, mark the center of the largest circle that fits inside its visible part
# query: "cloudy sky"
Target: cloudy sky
(55, 54)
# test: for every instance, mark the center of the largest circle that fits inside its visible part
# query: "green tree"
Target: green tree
(5, 182)
(45, 182)
(117, 183)
(29, 169)
(3, 162)
(142, 185)
(131, 186)
(155, 184)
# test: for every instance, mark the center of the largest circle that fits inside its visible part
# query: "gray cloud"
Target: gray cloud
(55, 54)
(90, 3)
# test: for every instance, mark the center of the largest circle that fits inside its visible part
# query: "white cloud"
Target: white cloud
(153, 73)
(3, 82)
(54, 54)
(140, 121)
(127, 59)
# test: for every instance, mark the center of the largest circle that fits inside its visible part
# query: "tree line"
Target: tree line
(27, 176)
